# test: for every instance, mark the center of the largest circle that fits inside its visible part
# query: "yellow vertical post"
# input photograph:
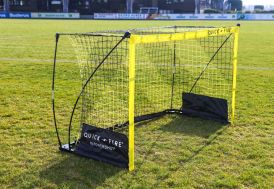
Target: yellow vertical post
(235, 61)
(131, 102)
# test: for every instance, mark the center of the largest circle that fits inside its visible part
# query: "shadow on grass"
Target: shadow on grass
(79, 172)
(193, 126)
(207, 130)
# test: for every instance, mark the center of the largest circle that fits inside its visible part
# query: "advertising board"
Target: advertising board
(55, 15)
(258, 16)
(120, 16)
(196, 17)
(3, 15)
(19, 15)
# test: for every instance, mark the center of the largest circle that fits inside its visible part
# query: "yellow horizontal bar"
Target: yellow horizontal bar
(156, 38)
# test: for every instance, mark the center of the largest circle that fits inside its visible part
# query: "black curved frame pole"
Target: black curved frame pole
(126, 35)
(53, 83)
(173, 70)
(211, 59)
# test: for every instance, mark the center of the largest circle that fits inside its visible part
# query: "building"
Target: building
(212, 4)
(166, 6)
(88, 7)
(83, 6)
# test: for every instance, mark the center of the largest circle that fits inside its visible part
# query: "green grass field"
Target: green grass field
(171, 152)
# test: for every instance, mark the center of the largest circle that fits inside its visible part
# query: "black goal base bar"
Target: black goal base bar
(146, 117)
(194, 105)
(109, 146)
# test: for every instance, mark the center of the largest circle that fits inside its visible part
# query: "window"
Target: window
(18, 2)
(168, 2)
(56, 2)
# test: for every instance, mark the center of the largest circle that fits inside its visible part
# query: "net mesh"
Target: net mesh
(104, 100)
(164, 70)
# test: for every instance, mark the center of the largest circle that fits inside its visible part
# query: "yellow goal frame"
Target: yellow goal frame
(154, 38)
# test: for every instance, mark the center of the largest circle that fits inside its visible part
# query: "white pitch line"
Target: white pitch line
(35, 60)
(70, 61)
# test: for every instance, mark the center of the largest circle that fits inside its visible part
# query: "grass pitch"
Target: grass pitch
(171, 152)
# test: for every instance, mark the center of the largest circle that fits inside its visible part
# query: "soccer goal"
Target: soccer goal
(140, 74)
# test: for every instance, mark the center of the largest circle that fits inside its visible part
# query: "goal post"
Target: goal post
(131, 71)
(235, 62)
(140, 74)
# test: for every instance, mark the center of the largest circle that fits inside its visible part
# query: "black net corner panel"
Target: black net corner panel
(125, 77)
